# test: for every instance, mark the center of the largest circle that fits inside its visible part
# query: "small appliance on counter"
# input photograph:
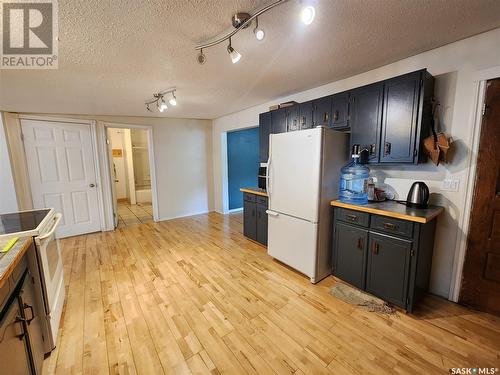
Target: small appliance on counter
(262, 178)
(418, 196)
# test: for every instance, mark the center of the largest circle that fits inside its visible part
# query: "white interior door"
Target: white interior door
(62, 173)
(294, 173)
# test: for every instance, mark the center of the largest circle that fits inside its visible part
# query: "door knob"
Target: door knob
(92, 185)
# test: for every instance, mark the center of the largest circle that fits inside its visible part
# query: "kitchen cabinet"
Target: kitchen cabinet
(265, 129)
(388, 257)
(322, 111)
(350, 258)
(279, 120)
(262, 223)
(365, 117)
(306, 115)
(21, 340)
(387, 267)
(293, 118)
(389, 118)
(340, 111)
(406, 116)
(255, 217)
(14, 354)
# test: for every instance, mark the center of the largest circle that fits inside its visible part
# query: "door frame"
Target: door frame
(106, 182)
(93, 132)
(480, 79)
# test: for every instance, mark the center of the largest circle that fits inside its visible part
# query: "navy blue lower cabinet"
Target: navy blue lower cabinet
(389, 258)
(250, 220)
(350, 258)
(255, 217)
(388, 268)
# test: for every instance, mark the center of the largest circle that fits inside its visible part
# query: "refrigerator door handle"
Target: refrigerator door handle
(268, 179)
(272, 213)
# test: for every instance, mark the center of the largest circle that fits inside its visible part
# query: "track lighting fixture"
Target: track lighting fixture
(242, 20)
(307, 15)
(173, 100)
(233, 54)
(258, 32)
(159, 100)
(162, 106)
(201, 57)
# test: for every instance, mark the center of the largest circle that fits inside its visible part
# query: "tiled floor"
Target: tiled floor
(130, 214)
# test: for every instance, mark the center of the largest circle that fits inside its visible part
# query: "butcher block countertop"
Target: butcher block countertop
(255, 191)
(395, 210)
(9, 260)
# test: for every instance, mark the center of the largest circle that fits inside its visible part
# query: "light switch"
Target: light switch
(450, 185)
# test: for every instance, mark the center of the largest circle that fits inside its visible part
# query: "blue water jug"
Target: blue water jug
(354, 182)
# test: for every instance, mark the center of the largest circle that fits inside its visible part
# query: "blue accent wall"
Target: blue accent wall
(242, 163)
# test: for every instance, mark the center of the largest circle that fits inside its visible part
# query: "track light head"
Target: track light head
(258, 32)
(307, 15)
(201, 58)
(233, 54)
(162, 106)
(173, 99)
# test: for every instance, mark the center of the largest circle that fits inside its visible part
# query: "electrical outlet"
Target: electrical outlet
(450, 185)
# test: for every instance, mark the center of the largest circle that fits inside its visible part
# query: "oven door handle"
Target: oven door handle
(57, 219)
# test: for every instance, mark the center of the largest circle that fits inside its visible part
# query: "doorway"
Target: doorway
(131, 169)
(481, 271)
(242, 164)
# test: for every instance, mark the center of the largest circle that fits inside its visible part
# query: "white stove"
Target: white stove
(41, 225)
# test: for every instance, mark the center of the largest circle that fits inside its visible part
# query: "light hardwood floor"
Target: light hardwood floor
(193, 295)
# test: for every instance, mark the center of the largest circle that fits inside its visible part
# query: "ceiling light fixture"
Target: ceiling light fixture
(258, 32)
(173, 100)
(240, 21)
(233, 54)
(162, 106)
(159, 100)
(307, 15)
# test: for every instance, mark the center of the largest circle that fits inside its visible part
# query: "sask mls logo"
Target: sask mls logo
(29, 34)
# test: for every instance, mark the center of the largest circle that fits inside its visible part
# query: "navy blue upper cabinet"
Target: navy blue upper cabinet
(278, 118)
(265, 129)
(365, 118)
(340, 111)
(306, 115)
(293, 118)
(389, 118)
(406, 116)
(322, 111)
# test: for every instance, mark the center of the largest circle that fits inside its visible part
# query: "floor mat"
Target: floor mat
(361, 299)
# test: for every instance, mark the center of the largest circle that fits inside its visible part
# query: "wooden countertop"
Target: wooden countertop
(394, 209)
(10, 260)
(255, 191)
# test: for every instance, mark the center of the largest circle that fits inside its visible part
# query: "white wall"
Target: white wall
(455, 68)
(8, 198)
(183, 161)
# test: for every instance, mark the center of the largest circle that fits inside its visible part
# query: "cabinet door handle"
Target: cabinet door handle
(360, 243)
(387, 148)
(303, 120)
(390, 226)
(26, 306)
(351, 217)
(375, 248)
(372, 149)
(326, 116)
(336, 116)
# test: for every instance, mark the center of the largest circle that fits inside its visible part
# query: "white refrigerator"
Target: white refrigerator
(303, 176)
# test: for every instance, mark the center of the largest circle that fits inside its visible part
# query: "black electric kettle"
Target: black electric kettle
(418, 196)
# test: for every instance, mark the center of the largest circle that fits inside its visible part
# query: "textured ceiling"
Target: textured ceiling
(114, 54)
